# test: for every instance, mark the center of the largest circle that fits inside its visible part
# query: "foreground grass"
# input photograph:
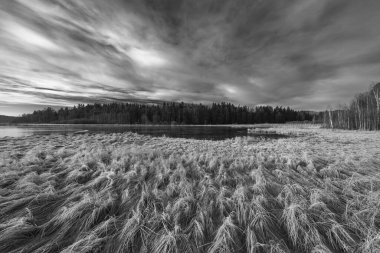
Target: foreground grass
(317, 192)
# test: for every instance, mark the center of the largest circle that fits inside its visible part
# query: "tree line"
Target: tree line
(362, 113)
(165, 113)
(6, 119)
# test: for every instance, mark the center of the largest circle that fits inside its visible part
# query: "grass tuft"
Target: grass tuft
(318, 192)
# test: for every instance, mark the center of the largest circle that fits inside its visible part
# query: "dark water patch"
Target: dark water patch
(190, 132)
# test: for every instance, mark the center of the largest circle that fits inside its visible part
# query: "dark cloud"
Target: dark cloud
(303, 53)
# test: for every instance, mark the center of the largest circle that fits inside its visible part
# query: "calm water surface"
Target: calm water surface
(194, 132)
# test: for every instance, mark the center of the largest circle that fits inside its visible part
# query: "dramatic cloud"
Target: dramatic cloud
(307, 54)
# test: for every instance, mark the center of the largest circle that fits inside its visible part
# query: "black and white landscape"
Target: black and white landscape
(189, 126)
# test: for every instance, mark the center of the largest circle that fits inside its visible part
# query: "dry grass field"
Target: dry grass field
(316, 192)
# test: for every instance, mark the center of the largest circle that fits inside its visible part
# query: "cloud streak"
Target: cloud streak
(303, 53)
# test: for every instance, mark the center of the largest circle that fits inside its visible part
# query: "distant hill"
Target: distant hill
(6, 119)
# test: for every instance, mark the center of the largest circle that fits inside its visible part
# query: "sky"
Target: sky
(307, 54)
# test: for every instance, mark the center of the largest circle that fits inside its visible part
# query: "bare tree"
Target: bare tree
(362, 113)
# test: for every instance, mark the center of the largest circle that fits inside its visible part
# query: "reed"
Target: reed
(317, 192)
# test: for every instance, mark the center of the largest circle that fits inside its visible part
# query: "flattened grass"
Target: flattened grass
(318, 192)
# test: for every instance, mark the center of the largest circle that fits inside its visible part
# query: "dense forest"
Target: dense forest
(363, 113)
(166, 113)
(6, 119)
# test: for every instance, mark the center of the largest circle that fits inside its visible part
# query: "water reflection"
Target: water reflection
(194, 132)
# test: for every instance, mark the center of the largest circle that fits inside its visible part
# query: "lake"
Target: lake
(194, 132)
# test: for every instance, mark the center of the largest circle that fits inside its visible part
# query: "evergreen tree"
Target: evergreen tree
(166, 113)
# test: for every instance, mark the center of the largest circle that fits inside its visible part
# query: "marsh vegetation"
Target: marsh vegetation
(124, 192)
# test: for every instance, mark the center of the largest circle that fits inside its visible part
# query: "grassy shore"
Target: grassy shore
(316, 192)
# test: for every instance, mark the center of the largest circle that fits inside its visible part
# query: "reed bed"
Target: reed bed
(316, 192)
